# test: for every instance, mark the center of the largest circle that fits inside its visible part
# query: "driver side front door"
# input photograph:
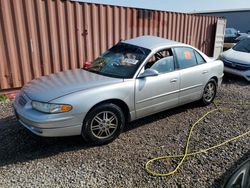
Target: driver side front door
(158, 93)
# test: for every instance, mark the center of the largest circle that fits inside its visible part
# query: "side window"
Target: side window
(185, 57)
(162, 61)
(199, 58)
(164, 65)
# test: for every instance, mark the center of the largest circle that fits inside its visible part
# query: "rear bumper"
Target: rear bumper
(244, 74)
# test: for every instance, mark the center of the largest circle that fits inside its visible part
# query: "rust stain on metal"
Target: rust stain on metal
(47, 36)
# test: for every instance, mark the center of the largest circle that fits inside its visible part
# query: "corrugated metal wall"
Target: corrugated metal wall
(39, 37)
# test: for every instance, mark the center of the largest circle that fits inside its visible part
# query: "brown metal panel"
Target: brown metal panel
(128, 23)
(53, 36)
(189, 31)
(122, 23)
(79, 35)
(33, 42)
(165, 25)
(103, 28)
(199, 30)
(174, 22)
(140, 18)
(84, 34)
(160, 24)
(22, 41)
(71, 34)
(156, 24)
(151, 23)
(178, 27)
(205, 35)
(192, 18)
(181, 27)
(87, 21)
(95, 31)
(177, 22)
(195, 32)
(185, 18)
(116, 28)
(134, 23)
(4, 73)
(10, 44)
(42, 37)
(62, 35)
(203, 40)
(208, 35)
(146, 25)
(109, 26)
(169, 25)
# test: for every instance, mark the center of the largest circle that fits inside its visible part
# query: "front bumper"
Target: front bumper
(47, 125)
(57, 132)
(244, 74)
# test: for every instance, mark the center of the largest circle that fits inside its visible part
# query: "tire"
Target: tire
(209, 92)
(103, 124)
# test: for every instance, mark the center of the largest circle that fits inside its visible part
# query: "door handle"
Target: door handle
(205, 72)
(173, 80)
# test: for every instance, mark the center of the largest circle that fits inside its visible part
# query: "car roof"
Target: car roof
(151, 42)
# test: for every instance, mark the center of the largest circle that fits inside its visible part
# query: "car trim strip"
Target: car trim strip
(191, 87)
(158, 96)
(169, 93)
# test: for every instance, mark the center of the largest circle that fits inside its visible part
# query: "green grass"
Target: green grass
(3, 98)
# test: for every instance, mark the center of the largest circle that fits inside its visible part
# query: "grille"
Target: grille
(22, 101)
(236, 65)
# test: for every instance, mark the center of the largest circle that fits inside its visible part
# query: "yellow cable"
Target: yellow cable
(186, 154)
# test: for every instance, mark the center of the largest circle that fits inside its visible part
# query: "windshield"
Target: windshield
(121, 61)
(243, 46)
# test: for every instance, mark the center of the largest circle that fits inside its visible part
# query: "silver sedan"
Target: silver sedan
(133, 79)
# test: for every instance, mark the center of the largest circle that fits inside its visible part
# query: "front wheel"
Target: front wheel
(103, 124)
(209, 92)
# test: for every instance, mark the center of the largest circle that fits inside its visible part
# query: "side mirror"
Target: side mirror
(148, 73)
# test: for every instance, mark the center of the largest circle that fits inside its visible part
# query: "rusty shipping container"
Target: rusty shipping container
(39, 37)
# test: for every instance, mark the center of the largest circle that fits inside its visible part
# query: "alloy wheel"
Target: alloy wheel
(209, 92)
(241, 177)
(104, 124)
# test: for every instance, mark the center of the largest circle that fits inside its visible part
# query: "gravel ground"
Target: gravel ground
(30, 161)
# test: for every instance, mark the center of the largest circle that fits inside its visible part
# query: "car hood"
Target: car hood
(236, 56)
(47, 88)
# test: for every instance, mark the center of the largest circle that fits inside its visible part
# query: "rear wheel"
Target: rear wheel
(103, 124)
(209, 92)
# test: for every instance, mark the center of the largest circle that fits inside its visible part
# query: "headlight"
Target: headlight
(51, 108)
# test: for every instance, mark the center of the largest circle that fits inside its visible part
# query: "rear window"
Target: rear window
(185, 57)
(243, 46)
(199, 58)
